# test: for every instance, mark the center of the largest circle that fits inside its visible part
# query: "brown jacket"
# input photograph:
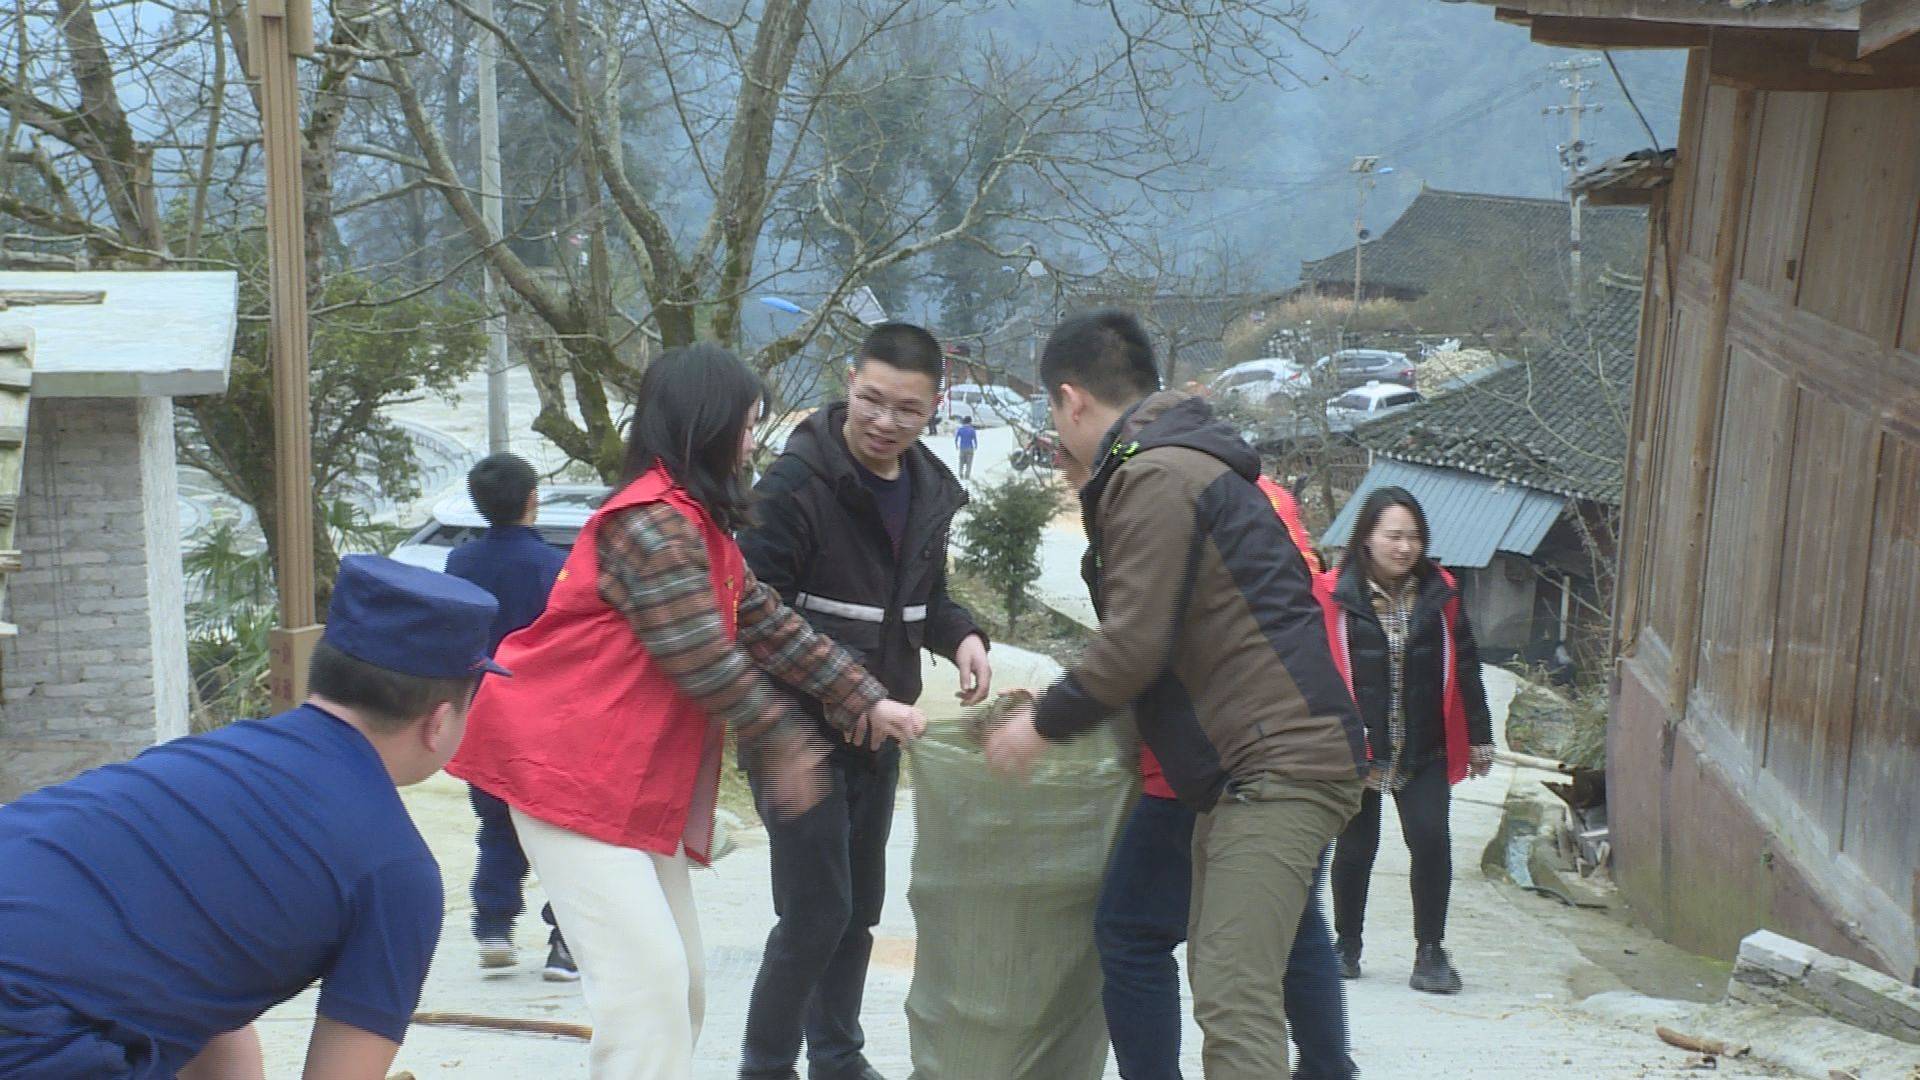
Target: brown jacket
(1208, 623)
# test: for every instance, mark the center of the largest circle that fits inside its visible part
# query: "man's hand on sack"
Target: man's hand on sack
(1015, 745)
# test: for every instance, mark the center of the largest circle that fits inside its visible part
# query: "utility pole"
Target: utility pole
(1366, 172)
(278, 31)
(1573, 158)
(490, 208)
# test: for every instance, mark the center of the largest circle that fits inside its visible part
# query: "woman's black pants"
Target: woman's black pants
(1423, 803)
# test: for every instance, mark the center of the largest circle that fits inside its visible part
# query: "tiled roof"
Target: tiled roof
(1443, 232)
(1556, 423)
(1196, 324)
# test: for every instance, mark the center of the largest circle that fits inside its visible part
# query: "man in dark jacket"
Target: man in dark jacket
(1220, 650)
(513, 563)
(851, 530)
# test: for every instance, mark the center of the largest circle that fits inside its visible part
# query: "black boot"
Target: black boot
(1349, 958)
(1433, 973)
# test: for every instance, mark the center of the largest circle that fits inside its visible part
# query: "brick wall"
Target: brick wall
(99, 668)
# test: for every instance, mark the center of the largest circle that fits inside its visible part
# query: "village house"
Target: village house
(1764, 750)
(94, 665)
(1494, 242)
(1520, 474)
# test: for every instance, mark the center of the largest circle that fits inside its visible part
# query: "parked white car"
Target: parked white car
(1257, 380)
(990, 406)
(1372, 401)
(564, 510)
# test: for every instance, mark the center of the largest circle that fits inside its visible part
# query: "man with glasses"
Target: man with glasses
(851, 530)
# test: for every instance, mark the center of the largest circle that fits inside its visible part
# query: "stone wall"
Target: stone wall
(98, 670)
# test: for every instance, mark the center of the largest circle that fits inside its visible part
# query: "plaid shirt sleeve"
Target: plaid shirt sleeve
(654, 572)
(791, 650)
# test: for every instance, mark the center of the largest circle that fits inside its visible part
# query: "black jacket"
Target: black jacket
(1425, 671)
(817, 540)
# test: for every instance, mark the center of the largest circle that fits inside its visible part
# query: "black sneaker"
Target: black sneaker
(1349, 958)
(1433, 973)
(560, 966)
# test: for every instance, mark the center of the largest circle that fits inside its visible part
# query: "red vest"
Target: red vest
(589, 734)
(1153, 781)
(1453, 704)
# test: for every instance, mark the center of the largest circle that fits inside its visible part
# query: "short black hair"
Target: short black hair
(691, 420)
(1107, 354)
(388, 700)
(906, 347)
(499, 485)
(1377, 503)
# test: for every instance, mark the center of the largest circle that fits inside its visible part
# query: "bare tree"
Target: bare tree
(1069, 146)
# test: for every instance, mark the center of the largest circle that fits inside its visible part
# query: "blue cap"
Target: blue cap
(410, 620)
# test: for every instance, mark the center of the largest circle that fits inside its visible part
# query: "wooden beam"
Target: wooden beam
(1512, 16)
(1886, 22)
(1736, 170)
(1809, 63)
(1759, 16)
(1559, 30)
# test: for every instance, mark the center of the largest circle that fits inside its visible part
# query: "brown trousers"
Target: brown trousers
(1255, 857)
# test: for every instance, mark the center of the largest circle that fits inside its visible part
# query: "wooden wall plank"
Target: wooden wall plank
(1866, 196)
(1910, 328)
(1787, 147)
(1667, 591)
(1883, 781)
(1711, 179)
(1743, 569)
(1822, 586)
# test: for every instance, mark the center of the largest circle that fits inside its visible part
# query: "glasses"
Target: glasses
(906, 416)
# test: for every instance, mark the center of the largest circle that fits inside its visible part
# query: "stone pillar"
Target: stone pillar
(99, 668)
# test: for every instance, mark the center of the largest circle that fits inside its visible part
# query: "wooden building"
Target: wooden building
(1764, 757)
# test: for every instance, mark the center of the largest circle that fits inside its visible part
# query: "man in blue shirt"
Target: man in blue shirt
(519, 568)
(966, 440)
(151, 910)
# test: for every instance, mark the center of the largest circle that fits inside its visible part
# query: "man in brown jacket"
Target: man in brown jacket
(1210, 634)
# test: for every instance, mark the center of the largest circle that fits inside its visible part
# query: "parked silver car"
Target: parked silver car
(1351, 368)
(564, 510)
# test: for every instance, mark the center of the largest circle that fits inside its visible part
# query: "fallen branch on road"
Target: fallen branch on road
(505, 1023)
(1700, 1044)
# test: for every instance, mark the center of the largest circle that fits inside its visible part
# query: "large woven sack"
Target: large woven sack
(1006, 874)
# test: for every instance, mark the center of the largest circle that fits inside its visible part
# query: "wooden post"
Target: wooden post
(1737, 171)
(278, 31)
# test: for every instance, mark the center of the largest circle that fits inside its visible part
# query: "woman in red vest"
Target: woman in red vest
(607, 742)
(1401, 638)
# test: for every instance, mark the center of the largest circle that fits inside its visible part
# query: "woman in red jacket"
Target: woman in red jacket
(1401, 637)
(607, 742)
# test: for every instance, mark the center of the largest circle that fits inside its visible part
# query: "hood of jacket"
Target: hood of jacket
(820, 443)
(1170, 418)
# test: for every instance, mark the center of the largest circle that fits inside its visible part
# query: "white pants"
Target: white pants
(628, 917)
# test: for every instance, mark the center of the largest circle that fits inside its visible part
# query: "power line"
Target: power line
(1618, 78)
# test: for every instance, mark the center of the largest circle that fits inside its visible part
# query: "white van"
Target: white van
(990, 406)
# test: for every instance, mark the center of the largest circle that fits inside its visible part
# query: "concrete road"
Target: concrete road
(1518, 1016)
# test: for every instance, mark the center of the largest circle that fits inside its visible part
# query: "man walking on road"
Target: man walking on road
(518, 568)
(851, 531)
(1220, 651)
(966, 440)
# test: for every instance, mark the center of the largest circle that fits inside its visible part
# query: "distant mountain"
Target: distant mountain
(1443, 94)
